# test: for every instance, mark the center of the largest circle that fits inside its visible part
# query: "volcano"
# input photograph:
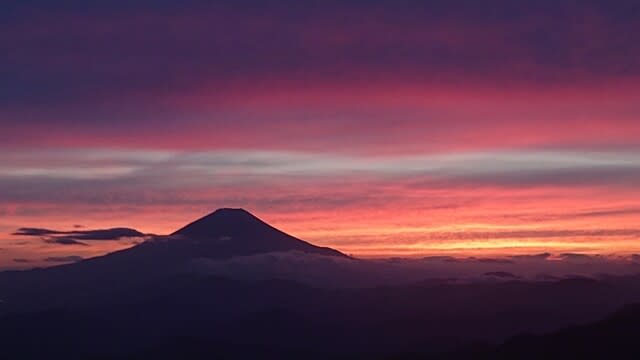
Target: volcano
(231, 232)
(223, 234)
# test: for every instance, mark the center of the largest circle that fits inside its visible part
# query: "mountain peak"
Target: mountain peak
(230, 214)
(225, 211)
(223, 220)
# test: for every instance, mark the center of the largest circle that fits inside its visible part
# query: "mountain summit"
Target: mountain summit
(230, 232)
(221, 221)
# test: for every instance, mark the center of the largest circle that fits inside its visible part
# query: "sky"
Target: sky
(380, 128)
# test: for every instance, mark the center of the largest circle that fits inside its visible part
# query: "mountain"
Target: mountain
(232, 232)
(223, 234)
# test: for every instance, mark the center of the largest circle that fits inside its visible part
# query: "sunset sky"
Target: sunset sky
(380, 128)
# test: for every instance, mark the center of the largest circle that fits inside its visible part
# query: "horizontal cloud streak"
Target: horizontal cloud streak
(106, 234)
(522, 167)
(78, 237)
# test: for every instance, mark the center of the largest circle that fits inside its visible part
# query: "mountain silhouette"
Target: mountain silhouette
(223, 234)
(230, 232)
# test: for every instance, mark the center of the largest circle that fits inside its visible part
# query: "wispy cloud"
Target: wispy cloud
(73, 177)
(100, 234)
(78, 237)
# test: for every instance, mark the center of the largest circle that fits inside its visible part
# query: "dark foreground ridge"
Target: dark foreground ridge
(614, 337)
